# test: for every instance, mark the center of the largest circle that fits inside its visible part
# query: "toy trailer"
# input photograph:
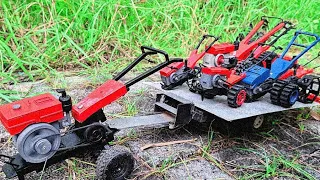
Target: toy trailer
(185, 106)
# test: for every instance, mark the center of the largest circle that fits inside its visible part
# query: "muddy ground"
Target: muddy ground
(286, 148)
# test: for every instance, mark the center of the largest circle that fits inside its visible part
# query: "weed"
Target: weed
(302, 127)
(130, 107)
(276, 165)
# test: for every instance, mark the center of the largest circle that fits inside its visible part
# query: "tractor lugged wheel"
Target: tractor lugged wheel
(276, 92)
(289, 95)
(114, 163)
(236, 96)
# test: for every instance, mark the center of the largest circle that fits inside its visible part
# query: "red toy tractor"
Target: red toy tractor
(44, 132)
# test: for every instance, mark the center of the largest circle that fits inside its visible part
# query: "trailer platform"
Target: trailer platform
(219, 107)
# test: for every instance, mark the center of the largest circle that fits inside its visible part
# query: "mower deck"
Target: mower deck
(219, 107)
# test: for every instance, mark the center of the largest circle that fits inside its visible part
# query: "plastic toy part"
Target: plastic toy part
(38, 142)
(18, 115)
(102, 96)
(222, 48)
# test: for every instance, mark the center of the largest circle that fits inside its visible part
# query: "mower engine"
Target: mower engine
(219, 54)
(214, 77)
(35, 124)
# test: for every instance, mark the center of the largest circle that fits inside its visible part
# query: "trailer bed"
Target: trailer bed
(219, 106)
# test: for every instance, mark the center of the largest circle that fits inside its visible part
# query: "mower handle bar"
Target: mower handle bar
(150, 51)
(307, 33)
(155, 51)
(271, 17)
(215, 39)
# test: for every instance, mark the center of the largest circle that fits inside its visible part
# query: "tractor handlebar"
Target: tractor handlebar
(155, 51)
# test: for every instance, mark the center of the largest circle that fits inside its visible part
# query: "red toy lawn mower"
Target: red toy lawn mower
(225, 55)
(44, 132)
(285, 80)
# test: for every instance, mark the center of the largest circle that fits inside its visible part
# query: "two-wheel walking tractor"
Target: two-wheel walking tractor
(45, 133)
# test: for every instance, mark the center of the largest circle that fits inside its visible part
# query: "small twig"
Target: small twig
(166, 144)
(315, 115)
(143, 163)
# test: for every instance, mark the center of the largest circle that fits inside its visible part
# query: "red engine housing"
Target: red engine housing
(18, 115)
(223, 48)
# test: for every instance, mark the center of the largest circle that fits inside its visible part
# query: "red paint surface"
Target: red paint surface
(167, 71)
(223, 48)
(300, 72)
(107, 93)
(234, 79)
(245, 47)
(241, 97)
(311, 96)
(42, 108)
(194, 57)
(216, 70)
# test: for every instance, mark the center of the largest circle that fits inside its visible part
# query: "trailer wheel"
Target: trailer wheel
(289, 95)
(236, 96)
(114, 163)
(256, 122)
(276, 91)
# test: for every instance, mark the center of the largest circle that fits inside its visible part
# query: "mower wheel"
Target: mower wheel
(236, 96)
(114, 163)
(309, 85)
(276, 91)
(289, 95)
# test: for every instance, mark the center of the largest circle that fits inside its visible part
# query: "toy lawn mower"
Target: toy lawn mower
(225, 55)
(285, 80)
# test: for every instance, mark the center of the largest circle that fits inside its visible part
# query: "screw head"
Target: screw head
(16, 106)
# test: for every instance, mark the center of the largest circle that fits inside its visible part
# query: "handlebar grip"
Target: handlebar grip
(209, 35)
(165, 54)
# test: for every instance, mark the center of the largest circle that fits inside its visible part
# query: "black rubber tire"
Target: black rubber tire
(306, 85)
(233, 94)
(276, 91)
(112, 159)
(287, 93)
(208, 95)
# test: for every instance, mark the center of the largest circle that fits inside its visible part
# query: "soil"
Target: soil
(289, 146)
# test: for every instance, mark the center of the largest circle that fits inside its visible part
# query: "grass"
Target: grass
(274, 165)
(39, 38)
